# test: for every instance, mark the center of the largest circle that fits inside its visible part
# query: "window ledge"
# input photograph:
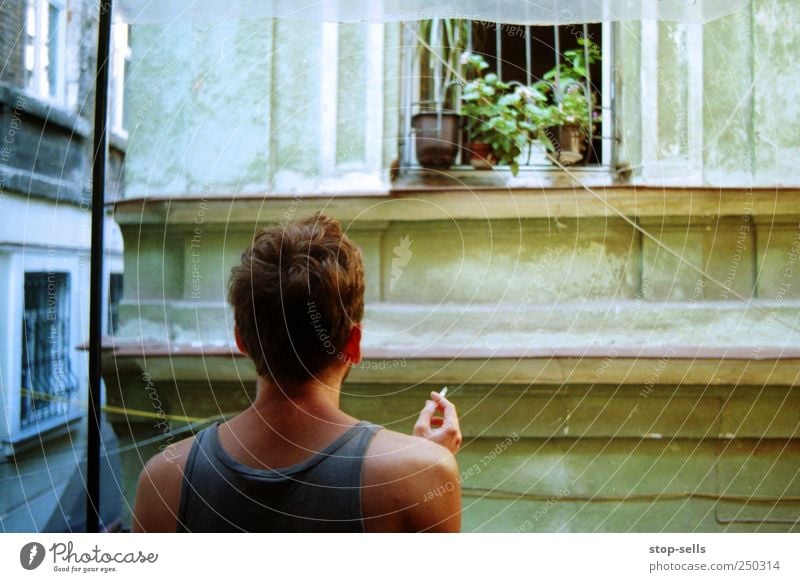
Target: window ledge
(47, 112)
(529, 177)
(679, 365)
(459, 202)
(118, 139)
(32, 437)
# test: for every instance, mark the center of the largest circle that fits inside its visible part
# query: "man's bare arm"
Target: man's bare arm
(439, 495)
(158, 491)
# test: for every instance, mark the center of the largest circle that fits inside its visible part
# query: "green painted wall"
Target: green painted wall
(279, 107)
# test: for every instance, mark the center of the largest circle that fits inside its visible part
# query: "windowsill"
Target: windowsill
(539, 176)
(31, 437)
(118, 139)
(49, 112)
(460, 202)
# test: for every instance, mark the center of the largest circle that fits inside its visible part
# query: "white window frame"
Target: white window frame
(120, 57)
(39, 38)
(13, 266)
(410, 97)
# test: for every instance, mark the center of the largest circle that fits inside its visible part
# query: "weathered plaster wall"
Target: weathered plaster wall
(776, 44)
(198, 108)
(715, 104)
(236, 107)
(302, 110)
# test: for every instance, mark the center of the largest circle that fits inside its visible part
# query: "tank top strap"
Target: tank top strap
(187, 489)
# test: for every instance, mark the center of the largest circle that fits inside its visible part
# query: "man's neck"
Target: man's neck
(284, 423)
(316, 398)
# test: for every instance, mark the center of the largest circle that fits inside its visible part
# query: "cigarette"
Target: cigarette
(443, 393)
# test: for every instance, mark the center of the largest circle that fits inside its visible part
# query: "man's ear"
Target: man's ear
(239, 342)
(352, 347)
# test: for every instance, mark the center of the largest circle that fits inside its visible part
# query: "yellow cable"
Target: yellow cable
(121, 410)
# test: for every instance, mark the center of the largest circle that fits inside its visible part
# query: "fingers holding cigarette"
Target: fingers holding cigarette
(443, 430)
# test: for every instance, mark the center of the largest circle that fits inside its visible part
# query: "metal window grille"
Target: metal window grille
(536, 55)
(114, 298)
(48, 382)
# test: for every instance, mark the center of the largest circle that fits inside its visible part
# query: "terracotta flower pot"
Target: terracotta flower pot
(570, 143)
(436, 139)
(481, 156)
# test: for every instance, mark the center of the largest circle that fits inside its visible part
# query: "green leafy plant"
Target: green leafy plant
(441, 42)
(575, 67)
(496, 113)
(565, 91)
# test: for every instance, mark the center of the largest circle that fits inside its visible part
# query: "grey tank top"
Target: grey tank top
(319, 494)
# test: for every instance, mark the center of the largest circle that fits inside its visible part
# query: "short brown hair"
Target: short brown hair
(296, 296)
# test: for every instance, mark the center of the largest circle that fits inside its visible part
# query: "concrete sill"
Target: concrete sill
(464, 203)
(678, 365)
(48, 113)
(539, 177)
(33, 438)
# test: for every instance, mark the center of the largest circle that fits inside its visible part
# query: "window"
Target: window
(120, 56)
(45, 25)
(48, 382)
(114, 299)
(521, 56)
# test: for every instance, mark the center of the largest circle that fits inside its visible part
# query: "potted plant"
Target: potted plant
(495, 114)
(572, 112)
(436, 126)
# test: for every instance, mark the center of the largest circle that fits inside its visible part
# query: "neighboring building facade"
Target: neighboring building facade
(603, 383)
(46, 106)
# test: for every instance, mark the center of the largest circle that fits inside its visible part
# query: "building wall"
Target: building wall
(590, 360)
(711, 104)
(246, 107)
(45, 202)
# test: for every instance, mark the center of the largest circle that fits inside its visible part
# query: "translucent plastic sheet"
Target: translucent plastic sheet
(509, 11)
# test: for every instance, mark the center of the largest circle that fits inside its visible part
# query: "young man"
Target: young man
(293, 461)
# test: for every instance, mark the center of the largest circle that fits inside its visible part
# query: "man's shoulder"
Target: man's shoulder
(400, 474)
(159, 488)
(171, 459)
(406, 452)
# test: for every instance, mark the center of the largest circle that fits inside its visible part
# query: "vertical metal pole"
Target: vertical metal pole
(100, 146)
(588, 85)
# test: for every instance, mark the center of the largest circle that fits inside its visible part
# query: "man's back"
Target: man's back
(365, 479)
(298, 300)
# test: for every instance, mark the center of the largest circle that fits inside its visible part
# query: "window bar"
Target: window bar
(437, 44)
(608, 98)
(407, 68)
(459, 28)
(588, 80)
(498, 45)
(465, 155)
(47, 379)
(528, 76)
(528, 59)
(557, 47)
